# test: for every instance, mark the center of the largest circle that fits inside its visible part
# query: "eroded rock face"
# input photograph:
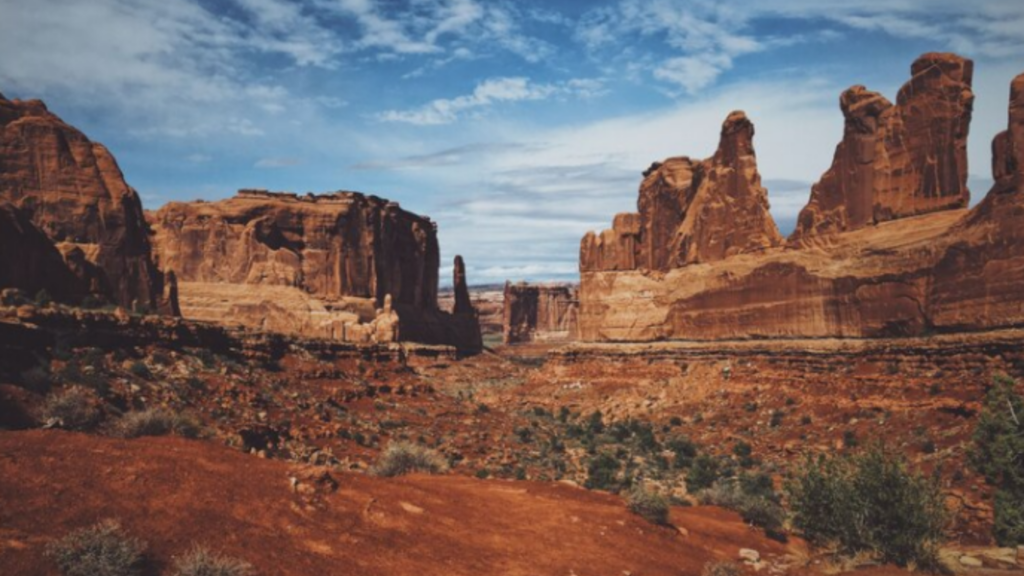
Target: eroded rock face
(72, 190)
(30, 262)
(539, 313)
(340, 244)
(691, 211)
(897, 160)
(343, 266)
(945, 270)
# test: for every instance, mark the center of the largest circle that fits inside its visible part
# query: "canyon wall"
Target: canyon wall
(881, 256)
(337, 265)
(897, 160)
(72, 190)
(539, 313)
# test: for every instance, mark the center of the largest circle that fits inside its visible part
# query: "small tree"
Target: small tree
(999, 456)
(870, 502)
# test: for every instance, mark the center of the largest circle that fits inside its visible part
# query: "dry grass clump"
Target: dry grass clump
(75, 408)
(103, 549)
(405, 458)
(648, 504)
(157, 422)
(200, 561)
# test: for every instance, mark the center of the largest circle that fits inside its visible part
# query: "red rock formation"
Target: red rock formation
(691, 212)
(30, 262)
(897, 161)
(942, 271)
(463, 305)
(333, 245)
(73, 190)
(541, 313)
(320, 265)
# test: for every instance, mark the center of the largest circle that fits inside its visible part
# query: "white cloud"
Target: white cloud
(707, 37)
(277, 162)
(487, 93)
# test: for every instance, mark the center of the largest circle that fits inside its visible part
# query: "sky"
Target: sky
(516, 125)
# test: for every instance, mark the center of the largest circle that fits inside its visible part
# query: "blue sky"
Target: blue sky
(517, 126)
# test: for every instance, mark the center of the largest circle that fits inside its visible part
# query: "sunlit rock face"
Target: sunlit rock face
(539, 313)
(885, 247)
(897, 160)
(72, 190)
(338, 265)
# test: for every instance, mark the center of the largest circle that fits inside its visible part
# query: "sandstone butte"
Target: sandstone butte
(885, 247)
(343, 266)
(57, 183)
(539, 313)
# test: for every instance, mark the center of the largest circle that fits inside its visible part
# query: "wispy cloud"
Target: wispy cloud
(444, 158)
(488, 93)
(277, 162)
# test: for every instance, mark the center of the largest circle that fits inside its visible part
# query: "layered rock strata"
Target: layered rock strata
(539, 313)
(897, 160)
(341, 266)
(919, 264)
(72, 190)
(691, 211)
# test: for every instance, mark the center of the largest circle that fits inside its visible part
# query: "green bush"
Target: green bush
(603, 472)
(648, 504)
(201, 562)
(157, 422)
(999, 443)
(752, 496)
(74, 408)
(405, 458)
(103, 549)
(139, 368)
(703, 473)
(870, 502)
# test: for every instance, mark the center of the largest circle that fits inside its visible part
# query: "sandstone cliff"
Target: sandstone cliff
(539, 313)
(339, 265)
(691, 211)
(946, 269)
(897, 160)
(30, 262)
(72, 190)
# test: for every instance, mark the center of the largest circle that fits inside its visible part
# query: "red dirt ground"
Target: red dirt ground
(173, 492)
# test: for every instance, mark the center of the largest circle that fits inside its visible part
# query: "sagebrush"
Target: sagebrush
(103, 549)
(405, 458)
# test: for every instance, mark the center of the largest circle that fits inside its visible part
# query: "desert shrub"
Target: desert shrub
(43, 298)
(74, 408)
(139, 368)
(200, 561)
(684, 450)
(103, 549)
(37, 379)
(603, 472)
(721, 569)
(703, 473)
(870, 502)
(405, 458)
(648, 504)
(157, 422)
(752, 496)
(999, 443)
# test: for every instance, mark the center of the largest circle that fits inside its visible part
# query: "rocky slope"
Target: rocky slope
(72, 190)
(321, 265)
(538, 312)
(286, 520)
(946, 269)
